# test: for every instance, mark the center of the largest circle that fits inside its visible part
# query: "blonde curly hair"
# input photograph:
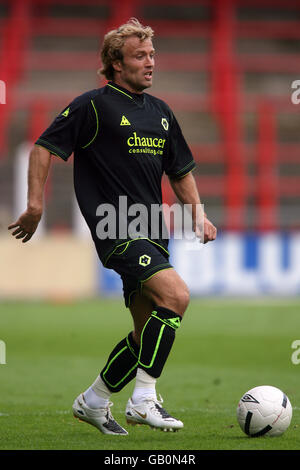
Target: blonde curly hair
(114, 41)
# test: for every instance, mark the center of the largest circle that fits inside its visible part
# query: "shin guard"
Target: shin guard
(121, 365)
(157, 340)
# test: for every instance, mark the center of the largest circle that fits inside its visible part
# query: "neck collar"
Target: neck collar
(137, 97)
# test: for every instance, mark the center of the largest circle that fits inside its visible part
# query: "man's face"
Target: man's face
(134, 72)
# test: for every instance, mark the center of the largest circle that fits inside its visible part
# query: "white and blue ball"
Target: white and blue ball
(264, 410)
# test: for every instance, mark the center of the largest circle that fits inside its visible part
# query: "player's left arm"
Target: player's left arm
(186, 191)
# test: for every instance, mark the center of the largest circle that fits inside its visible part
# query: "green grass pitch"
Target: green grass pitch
(223, 348)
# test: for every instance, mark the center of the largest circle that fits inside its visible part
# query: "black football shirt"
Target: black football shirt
(122, 143)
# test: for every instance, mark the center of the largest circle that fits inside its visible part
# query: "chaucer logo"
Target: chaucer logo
(137, 141)
(146, 145)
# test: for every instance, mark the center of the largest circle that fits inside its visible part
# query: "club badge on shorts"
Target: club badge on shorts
(144, 260)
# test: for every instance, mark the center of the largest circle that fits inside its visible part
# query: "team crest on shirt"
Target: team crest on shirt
(165, 124)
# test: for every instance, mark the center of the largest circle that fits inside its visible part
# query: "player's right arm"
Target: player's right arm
(39, 165)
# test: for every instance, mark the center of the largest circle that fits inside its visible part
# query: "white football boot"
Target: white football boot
(151, 412)
(101, 418)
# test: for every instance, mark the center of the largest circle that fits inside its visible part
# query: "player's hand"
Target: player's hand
(26, 225)
(206, 231)
(210, 231)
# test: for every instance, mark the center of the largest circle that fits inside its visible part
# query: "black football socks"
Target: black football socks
(121, 365)
(156, 342)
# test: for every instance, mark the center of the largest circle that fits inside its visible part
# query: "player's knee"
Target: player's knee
(182, 299)
(176, 298)
(168, 290)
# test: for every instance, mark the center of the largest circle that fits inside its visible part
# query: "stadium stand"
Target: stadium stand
(225, 66)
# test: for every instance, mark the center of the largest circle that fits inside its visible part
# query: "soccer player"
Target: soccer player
(123, 141)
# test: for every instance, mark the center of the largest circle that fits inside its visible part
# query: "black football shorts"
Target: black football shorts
(137, 261)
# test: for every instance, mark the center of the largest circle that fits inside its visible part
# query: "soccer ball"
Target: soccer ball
(264, 410)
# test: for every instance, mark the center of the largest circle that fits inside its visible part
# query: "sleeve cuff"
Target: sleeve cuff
(52, 148)
(184, 171)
